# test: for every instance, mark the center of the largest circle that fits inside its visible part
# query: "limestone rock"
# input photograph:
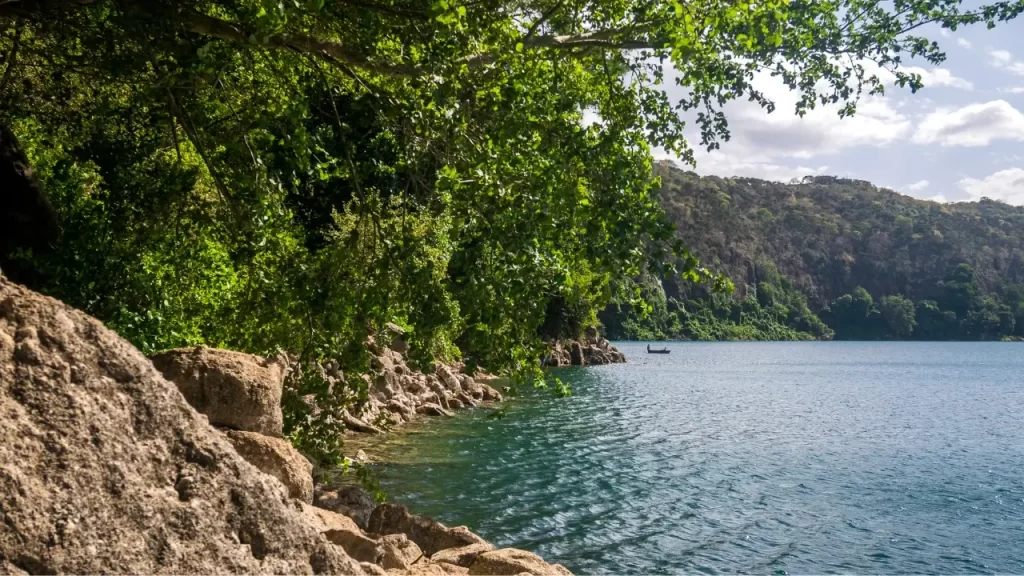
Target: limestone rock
(348, 499)
(400, 345)
(576, 355)
(462, 556)
(512, 561)
(371, 568)
(105, 468)
(396, 406)
(450, 380)
(278, 458)
(432, 410)
(427, 569)
(439, 389)
(469, 386)
(467, 400)
(429, 535)
(398, 552)
(232, 389)
(325, 520)
(355, 543)
(490, 394)
(353, 423)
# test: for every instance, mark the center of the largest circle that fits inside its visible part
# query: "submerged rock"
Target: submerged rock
(105, 468)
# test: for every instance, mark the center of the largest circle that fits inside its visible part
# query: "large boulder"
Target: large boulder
(278, 458)
(449, 378)
(342, 531)
(398, 552)
(511, 561)
(232, 389)
(105, 468)
(576, 355)
(348, 499)
(429, 535)
(462, 556)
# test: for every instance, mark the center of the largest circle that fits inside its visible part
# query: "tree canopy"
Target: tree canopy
(260, 174)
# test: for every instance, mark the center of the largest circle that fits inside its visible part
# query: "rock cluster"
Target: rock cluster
(241, 395)
(398, 394)
(106, 467)
(591, 350)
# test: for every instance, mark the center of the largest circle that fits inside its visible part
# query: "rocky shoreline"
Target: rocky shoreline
(111, 462)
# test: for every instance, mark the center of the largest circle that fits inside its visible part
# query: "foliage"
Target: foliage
(899, 314)
(830, 235)
(827, 247)
(262, 175)
(963, 315)
(771, 310)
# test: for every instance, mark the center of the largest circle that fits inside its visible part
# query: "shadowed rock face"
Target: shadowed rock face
(27, 220)
(104, 468)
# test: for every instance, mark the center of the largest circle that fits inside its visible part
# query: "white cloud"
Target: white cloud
(918, 186)
(931, 77)
(972, 125)
(940, 198)
(721, 163)
(1006, 185)
(820, 131)
(1013, 90)
(963, 43)
(1005, 61)
(777, 146)
(937, 77)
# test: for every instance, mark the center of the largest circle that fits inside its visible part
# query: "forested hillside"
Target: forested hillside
(868, 261)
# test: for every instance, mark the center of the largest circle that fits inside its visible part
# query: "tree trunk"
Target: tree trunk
(27, 219)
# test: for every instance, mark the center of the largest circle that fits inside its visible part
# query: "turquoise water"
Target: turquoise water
(746, 458)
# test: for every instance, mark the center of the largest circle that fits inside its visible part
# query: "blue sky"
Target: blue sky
(959, 138)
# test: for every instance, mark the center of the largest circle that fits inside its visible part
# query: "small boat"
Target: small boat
(662, 351)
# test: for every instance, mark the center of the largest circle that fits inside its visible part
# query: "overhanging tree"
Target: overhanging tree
(256, 173)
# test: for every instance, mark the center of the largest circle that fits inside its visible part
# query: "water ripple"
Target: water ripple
(745, 458)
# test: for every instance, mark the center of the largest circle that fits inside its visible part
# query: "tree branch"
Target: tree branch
(12, 57)
(543, 18)
(209, 26)
(606, 39)
(28, 8)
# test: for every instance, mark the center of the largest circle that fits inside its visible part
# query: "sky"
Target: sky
(958, 139)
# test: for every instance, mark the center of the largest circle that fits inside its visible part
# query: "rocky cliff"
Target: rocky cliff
(106, 466)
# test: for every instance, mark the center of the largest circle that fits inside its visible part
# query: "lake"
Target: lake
(823, 457)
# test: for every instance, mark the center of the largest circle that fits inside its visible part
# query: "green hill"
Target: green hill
(867, 262)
